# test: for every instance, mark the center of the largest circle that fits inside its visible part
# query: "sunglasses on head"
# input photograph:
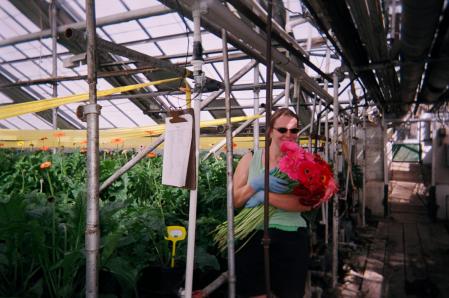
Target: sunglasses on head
(284, 130)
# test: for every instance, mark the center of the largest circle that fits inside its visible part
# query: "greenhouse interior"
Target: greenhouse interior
(133, 136)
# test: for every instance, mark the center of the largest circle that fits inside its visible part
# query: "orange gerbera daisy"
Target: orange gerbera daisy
(44, 148)
(117, 141)
(225, 148)
(151, 155)
(152, 132)
(45, 165)
(59, 134)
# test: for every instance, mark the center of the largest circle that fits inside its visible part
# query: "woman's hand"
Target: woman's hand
(276, 184)
(256, 199)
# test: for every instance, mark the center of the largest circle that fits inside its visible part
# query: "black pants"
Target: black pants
(289, 258)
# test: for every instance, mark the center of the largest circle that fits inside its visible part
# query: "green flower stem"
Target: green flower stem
(245, 224)
(53, 211)
(51, 185)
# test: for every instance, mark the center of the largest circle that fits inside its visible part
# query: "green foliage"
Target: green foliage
(43, 213)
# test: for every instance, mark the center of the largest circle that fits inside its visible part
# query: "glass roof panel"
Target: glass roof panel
(136, 4)
(211, 42)
(106, 8)
(110, 112)
(147, 48)
(10, 53)
(13, 72)
(124, 32)
(4, 98)
(33, 48)
(134, 112)
(36, 121)
(165, 24)
(174, 46)
(19, 122)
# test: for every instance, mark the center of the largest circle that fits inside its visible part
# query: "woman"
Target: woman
(289, 248)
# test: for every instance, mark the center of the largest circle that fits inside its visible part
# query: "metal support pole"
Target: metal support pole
(326, 158)
(432, 191)
(296, 90)
(54, 35)
(364, 166)
(349, 169)
(256, 126)
(335, 198)
(312, 120)
(197, 62)
(269, 94)
(287, 54)
(229, 171)
(385, 162)
(92, 111)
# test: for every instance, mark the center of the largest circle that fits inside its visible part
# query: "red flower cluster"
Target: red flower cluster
(312, 175)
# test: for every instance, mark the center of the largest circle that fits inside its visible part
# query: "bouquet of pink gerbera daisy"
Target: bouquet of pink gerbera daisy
(308, 176)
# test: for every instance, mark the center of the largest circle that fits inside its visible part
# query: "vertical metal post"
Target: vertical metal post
(229, 171)
(92, 234)
(312, 121)
(197, 62)
(364, 165)
(434, 146)
(335, 198)
(385, 162)
(54, 36)
(287, 54)
(432, 206)
(256, 130)
(269, 93)
(349, 169)
(325, 206)
(296, 90)
(326, 124)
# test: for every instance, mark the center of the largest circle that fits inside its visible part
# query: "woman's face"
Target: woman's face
(282, 130)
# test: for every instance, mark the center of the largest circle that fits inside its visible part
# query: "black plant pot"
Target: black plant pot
(160, 282)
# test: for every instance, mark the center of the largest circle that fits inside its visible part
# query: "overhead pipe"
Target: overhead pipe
(103, 21)
(256, 13)
(336, 16)
(436, 77)
(419, 22)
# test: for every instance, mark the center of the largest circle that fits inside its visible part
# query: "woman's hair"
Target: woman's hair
(279, 113)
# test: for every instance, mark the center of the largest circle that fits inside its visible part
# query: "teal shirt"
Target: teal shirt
(281, 219)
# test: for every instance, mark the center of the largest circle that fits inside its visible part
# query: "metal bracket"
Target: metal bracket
(75, 60)
(83, 110)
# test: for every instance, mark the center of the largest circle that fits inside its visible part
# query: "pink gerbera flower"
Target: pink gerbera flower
(313, 176)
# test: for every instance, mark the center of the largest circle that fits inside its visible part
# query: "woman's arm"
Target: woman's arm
(242, 190)
(287, 202)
